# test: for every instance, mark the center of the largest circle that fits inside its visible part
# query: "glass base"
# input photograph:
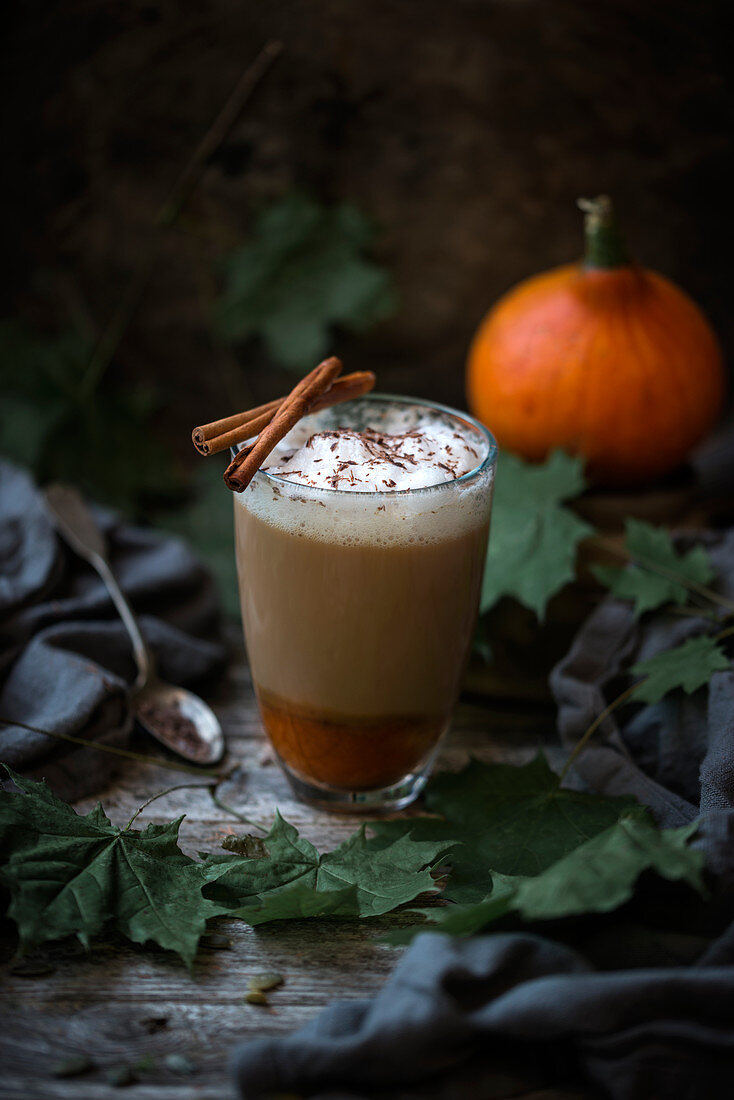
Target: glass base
(383, 800)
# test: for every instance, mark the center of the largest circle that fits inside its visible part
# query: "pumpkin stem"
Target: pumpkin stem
(604, 245)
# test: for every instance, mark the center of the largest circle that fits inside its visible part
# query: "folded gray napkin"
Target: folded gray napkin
(502, 1014)
(65, 659)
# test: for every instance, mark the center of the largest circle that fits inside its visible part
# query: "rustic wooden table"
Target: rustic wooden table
(121, 1005)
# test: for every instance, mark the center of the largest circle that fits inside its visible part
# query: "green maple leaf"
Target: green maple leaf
(596, 877)
(514, 840)
(507, 820)
(688, 666)
(357, 879)
(39, 377)
(532, 547)
(48, 424)
(651, 548)
(303, 272)
(71, 875)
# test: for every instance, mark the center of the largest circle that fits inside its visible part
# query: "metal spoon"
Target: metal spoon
(159, 707)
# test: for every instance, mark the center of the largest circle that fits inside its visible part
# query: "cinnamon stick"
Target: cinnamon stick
(299, 401)
(208, 438)
(220, 435)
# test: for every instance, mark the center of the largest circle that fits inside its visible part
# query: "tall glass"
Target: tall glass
(359, 610)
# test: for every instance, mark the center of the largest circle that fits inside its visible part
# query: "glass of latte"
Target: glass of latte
(360, 551)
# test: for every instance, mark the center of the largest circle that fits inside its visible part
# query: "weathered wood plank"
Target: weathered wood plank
(16, 1088)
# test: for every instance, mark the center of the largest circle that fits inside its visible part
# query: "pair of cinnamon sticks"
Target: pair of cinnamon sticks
(271, 422)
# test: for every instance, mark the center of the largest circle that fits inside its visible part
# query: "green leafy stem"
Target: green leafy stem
(532, 555)
(660, 569)
(630, 693)
(701, 656)
(514, 839)
(114, 750)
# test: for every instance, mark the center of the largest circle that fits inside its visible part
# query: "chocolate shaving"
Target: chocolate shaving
(380, 450)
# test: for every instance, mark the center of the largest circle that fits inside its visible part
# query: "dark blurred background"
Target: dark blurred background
(451, 139)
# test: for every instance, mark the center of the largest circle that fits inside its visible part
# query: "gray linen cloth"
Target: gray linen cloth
(499, 1014)
(65, 659)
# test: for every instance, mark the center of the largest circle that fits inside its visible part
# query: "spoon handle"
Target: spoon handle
(76, 524)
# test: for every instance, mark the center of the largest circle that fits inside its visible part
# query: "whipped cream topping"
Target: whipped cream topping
(373, 461)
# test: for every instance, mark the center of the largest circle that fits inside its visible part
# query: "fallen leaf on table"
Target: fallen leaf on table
(688, 666)
(506, 819)
(505, 838)
(596, 877)
(71, 875)
(532, 548)
(357, 879)
(652, 547)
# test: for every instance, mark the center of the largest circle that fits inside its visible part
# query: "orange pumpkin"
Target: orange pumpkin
(600, 358)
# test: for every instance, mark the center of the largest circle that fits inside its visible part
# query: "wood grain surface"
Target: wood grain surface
(120, 1004)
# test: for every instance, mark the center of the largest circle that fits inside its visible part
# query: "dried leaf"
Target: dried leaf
(256, 997)
(249, 846)
(269, 979)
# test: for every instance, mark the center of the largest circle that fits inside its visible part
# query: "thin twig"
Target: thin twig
(217, 132)
(178, 787)
(169, 211)
(693, 586)
(583, 741)
(127, 754)
(696, 612)
(235, 813)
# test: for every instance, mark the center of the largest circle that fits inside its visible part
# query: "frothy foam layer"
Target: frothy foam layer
(374, 461)
(370, 513)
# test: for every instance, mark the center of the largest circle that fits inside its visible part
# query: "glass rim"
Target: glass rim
(489, 460)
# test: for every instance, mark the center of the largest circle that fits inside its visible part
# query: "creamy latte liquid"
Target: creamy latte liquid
(360, 552)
